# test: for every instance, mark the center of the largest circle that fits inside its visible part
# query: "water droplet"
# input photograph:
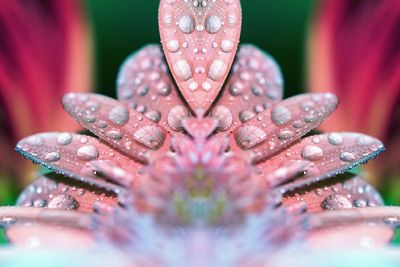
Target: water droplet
(246, 115)
(88, 152)
(347, 156)
(90, 119)
(213, 24)
(63, 201)
(153, 115)
(318, 191)
(360, 203)
(163, 89)
(40, 203)
(258, 108)
(297, 124)
(236, 89)
(142, 91)
(249, 136)
(224, 117)
(52, 157)
(336, 201)
(286, 134)
(150, 136)
(115, 135)
(119, 115)
(102, 124)
(312, 152)
(281, 115)
(335, 138)
(64, 139)
(257, 91)
(175, 117)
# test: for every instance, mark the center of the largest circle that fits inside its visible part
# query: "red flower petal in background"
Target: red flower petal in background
(354, 51)
(44, 51)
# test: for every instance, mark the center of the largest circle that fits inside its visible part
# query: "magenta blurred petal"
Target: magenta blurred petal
(354, 52)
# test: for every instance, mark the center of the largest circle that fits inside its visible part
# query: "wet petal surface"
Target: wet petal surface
(200, 39)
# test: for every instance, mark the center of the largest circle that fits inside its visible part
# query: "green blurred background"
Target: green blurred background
(277, 26)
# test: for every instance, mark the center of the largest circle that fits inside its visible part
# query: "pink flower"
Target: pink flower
(180, 175)
(44, 52)
(354, 52)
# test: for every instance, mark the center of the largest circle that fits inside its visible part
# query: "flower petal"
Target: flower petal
(327, 154)
(364, 235)
(48, 236)
(200, 41)
(116, 124)
(145, 85)
(254, 85)
(55, 191)
(341, 192)
(284, 123)
(73, 155)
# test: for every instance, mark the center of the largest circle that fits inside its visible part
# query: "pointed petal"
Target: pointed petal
(200, 40)
(49, 236)
(341, 192)
(327, 154)
(284, 123)
(115, 123)
(363, 235)
(56, 191)
(145, 85)
(254, 85)
(73, 154)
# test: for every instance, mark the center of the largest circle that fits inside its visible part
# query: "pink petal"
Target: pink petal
(328, 154)
(22, 215)
(145, 85)
(200, 43)
(255, 84)
(284, 123)
(341, 192)
(54, 191)
(48, 236)
(115, 123)
(73, 155)
(389, 216)
(363, 235)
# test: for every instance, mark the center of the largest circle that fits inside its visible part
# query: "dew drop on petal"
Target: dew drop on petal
(224, 117)
(285, 135)
(335, 138)
(115, 135)
(150, 136)
(63, 201)
(40, 203)
(249, 136)
(347, 156)
(52, 157)
(88, 152)
(336, 201)
(246, 115)
(312, 152)
(119, 115)
(281, 115)
(360, 203)
(175, 117)
(153, 115)
(64, 139)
